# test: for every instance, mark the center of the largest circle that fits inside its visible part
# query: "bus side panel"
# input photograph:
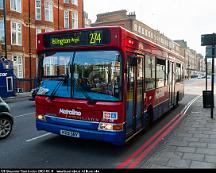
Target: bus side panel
(162, 102)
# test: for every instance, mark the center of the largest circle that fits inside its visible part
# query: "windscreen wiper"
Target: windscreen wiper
(52, 95)
(84, 92)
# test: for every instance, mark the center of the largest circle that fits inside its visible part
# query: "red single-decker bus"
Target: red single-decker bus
(104, 83)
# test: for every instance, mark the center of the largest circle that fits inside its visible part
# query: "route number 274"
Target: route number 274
(95, 38)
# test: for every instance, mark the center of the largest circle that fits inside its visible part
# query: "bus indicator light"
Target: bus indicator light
(110, 127)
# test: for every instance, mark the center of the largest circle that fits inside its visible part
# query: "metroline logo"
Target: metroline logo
(69, 112)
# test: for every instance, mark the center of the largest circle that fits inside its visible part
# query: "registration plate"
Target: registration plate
(70, 133)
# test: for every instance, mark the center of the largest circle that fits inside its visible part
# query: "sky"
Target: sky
(177, 19)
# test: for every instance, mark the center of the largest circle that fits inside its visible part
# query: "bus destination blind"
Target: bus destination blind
(77, 38)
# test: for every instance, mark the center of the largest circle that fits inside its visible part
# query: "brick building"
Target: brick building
(24, 20)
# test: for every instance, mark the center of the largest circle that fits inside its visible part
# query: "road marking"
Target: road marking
(18, 116)
(38, 137)
(190, 103)
(147, 146)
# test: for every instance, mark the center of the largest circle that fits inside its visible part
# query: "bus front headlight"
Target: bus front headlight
(41, 117)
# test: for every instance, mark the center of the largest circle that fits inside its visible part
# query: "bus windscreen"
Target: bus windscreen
(94, 75)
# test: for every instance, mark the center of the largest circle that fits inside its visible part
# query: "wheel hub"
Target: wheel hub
(5, 128)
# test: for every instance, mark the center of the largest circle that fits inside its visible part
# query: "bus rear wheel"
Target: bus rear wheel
(149, 118)
(177, 99)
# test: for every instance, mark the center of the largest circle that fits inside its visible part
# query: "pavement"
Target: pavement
(192, 144)
(18, 97)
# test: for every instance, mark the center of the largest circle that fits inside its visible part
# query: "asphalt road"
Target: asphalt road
(29, 148)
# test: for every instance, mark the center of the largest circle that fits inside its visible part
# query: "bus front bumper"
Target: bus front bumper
(116, 138)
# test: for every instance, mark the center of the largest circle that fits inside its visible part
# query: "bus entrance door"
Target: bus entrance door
(171, 83)
(134, 102)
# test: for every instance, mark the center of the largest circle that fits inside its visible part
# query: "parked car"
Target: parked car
(201, 77)
(34, 93)
(6, 120)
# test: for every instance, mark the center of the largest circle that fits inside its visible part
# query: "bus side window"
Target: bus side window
(182, 72)
(149, 72)
(160, 72)
(178, 73)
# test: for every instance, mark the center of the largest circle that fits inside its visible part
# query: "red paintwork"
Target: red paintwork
(44, 104)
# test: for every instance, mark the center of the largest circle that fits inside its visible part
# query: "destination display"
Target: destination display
(77, 38)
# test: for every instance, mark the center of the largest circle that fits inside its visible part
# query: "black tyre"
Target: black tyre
(177, 100)
(6, 125)
(149, 119)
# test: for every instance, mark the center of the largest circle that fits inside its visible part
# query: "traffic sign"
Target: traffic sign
(208, 39)
(209, 52)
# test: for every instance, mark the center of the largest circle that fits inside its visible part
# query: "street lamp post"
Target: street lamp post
(30, 57)
(5, 28)
(212, 80)
(206, 68)
(58, 16)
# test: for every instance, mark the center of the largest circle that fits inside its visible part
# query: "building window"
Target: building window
(66, 19)
(74, 19)
(146, 32)
(152, 35)
(66, 1)
(143, 31)
(15, 5)
(2, 31)
(38, 31)
(74, 2)
(48, 30)
(16, 34)
(139, 29)
(1, 4)
(49, 10)
(135, 27)
(18, 66)
(149, 33)
(38, 9)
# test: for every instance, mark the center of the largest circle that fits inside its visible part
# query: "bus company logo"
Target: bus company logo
(3, 74)
(69, 112)
(110, 115)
